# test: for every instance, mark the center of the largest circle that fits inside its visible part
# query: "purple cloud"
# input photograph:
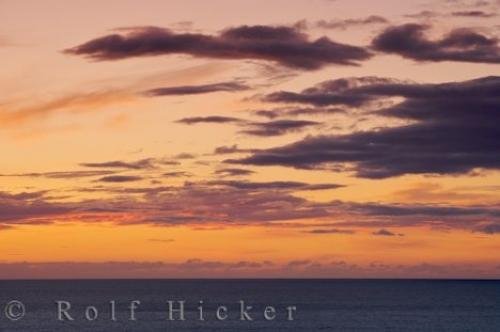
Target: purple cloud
(283, 45)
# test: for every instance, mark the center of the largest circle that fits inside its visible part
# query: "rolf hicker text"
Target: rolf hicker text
(176, 311)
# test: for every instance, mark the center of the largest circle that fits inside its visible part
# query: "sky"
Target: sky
(262, 139)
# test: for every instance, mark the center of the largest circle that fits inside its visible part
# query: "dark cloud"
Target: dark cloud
(271, 128)
(209, 119)
(474, 13)
(314, 111)
(177, 174)
(276, 185)
(139, 164)
(465, 45)
(120, 178)
(277, 127)
(351, 22)
(343, 92)
(234, 172)
(423, 210)
(184, 155)
(453, 130)
(284, 45)
(428, 14)
(270, 114)
(231, 149)
(377, 215)
(61, 175)
(331, 231)
(28, 207)
(197, 89)
(424, 14)
(298, 111)
(23, 195)
(384, 232)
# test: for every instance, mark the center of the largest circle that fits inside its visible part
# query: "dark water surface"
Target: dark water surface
(322, 305)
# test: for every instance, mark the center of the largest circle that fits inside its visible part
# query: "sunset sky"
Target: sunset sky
(277, 138)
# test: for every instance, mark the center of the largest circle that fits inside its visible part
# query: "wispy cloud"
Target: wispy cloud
(209, 119)
(139, 164)
(297, 111)
(351, 22)
(62, 174)
(474, 13)
(277, 127)
(14, 115)
(270, 128)
(330, 231)
(234, 172)
(385, 232)
(221, 150)
(276, 185)
(119, 178)
(177, 174)
(197, 89)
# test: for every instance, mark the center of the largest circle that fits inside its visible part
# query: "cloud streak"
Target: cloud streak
(283, 45)
(351, 22)
(464, 45)
(62, 174)
(473, 13)
(208, 119)
(385, 232)
(277, 127)
(119, 178)
(197, 89)
(276, 185)
(147, 163)
(330, 231)
(234, 172)
(13, 115)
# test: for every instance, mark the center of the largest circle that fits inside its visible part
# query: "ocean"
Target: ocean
(277, 305)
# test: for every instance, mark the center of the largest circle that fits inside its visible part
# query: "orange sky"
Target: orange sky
(97, 171)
